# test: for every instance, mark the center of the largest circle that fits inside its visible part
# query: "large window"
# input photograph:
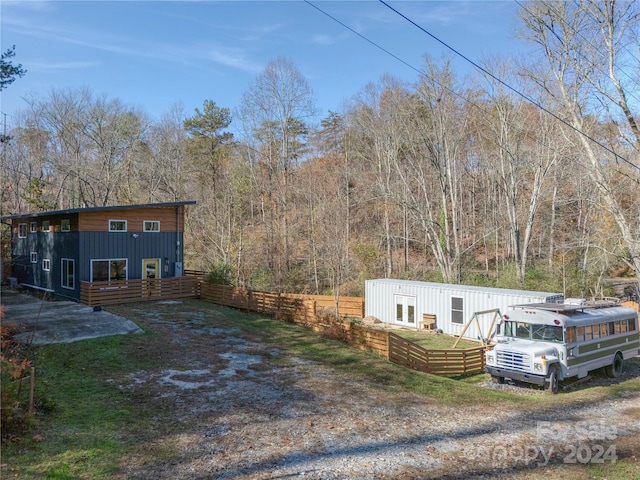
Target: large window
(457, 310)
(117, 225)
(68, 276)
(65, 225)
(46, 225)
(108, 270)
(22, 230)
(33, 227)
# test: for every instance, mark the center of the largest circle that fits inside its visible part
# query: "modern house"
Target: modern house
(56, 250)
(444, 306)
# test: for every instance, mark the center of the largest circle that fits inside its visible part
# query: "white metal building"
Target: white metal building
(414, 304)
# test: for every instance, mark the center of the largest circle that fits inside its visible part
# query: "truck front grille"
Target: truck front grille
(513, 360)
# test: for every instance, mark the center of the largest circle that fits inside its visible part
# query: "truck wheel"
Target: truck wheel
(551, 384)
(496, 379)
(615, 369)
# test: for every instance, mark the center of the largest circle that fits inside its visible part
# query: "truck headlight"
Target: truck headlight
(537, 367)
(490, 359)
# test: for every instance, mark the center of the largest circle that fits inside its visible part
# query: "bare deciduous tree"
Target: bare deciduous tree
(575, 39)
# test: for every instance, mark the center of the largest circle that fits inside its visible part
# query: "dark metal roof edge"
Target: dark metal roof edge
(96, 209)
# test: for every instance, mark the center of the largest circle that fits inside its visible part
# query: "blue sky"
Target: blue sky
(153, 55)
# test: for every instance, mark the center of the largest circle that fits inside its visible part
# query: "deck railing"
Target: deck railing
(127, 291)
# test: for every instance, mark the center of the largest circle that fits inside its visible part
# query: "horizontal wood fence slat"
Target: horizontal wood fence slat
(127, 291)
(307, 311)
(347, 306)
(269, 302)
(437, 362)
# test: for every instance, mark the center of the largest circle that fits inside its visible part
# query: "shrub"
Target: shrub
(14, 365)
(220, 274)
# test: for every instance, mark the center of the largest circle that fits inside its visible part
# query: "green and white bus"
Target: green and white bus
(544, 343)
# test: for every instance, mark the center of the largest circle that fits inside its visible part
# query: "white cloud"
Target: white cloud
(48, 67)
(235, 60)
(321, 39)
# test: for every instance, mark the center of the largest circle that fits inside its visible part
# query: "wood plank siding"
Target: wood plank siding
(99, 221)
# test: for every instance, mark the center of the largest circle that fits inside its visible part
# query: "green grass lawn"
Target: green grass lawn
(85, 423)
(435, 341)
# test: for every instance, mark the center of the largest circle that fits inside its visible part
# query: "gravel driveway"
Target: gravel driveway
(233, 409)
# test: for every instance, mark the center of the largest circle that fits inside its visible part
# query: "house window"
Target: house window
(117, 225)
(65, 225)
(108, 270)
(457, 310)
(151, 226)
(46, 264)
(34, 257)
(46, 225)
(22, 230)
(33, 227)
(68, 277)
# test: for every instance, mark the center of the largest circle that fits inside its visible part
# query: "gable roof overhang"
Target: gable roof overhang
(69, 211)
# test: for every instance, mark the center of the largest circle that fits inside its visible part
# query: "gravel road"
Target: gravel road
(233, 409)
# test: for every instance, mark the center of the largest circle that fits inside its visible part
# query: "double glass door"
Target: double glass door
(405, 310)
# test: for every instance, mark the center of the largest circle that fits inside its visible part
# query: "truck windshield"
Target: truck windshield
(528, 331)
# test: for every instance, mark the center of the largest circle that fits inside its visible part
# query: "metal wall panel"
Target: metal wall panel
(134, 246)
(435, 298)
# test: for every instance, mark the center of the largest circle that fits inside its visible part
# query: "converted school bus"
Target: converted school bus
(56, 250)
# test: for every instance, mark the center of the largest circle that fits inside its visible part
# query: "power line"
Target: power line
(578, 34)
(517, 92)
(420, 72)
(622, 45)
(365, 38)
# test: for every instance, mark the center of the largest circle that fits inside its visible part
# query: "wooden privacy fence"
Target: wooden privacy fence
(347, 306)
(305, 311)
(437, 362)
(282, 305)
(126, 291)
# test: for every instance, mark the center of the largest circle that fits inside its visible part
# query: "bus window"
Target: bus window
(509, 329)
(588, 332)
(517, 329)
(632, 324)
(596, 331)
(570, 334)
(523, 330)
(547, 333)
(617, 326)
(603, 330)
(612, 328)
(623, 326)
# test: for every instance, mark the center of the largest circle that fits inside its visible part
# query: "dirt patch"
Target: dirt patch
(231, 406)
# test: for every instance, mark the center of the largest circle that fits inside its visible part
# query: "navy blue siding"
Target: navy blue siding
(47, 245)
(83, 247)
(112, 245)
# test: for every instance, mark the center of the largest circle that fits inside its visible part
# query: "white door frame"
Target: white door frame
(405, 310)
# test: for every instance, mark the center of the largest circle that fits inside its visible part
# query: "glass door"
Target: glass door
(405, 310)
(151, 268)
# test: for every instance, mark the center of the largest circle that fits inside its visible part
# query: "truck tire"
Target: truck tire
(497, 380)
(551, 384)
(615, 369)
